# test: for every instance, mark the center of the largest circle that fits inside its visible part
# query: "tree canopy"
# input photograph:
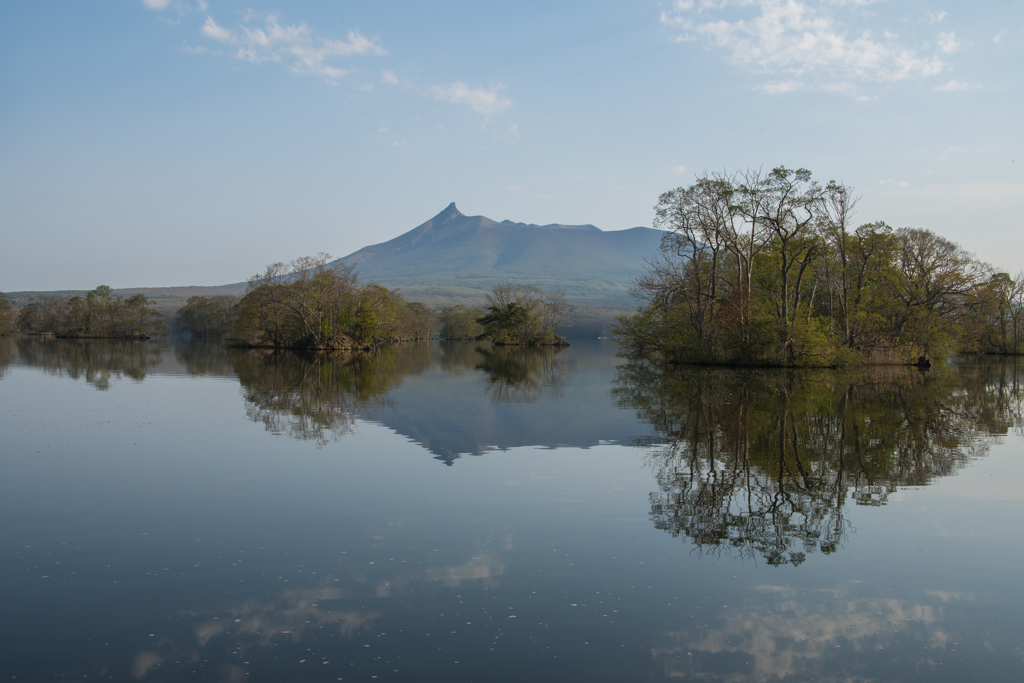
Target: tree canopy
(309, 304)
(100, 313)
(523, 314)
(769, 269)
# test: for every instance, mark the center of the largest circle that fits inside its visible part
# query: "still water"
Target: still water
(172, 510)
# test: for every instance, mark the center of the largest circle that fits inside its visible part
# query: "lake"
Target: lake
(174, 510)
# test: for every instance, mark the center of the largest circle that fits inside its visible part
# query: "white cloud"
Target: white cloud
(780, 87)
(382, 129)
(844, 87)
(956, 86)
(514, 188)
(948, 42)
(366, 87)
(156, 4)
(998, 36)
(292, 45)
(211, 29)
(389, 77)
(514, 129)
(679, 170)
(936, 17)
(806, 40)
(482, 100)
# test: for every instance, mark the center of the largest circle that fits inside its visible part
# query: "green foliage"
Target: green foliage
(523, 314)
(7, 315)
(765, 269)
(310, 305)
(459, 322)
(203, 316)
(504, 324)
(100, 313)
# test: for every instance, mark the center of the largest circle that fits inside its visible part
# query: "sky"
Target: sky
(193, 142)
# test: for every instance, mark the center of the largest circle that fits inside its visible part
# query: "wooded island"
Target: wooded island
(768, 269)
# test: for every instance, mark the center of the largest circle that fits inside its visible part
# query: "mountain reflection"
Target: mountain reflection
(452, 398)
(761, 463)
(98, 361)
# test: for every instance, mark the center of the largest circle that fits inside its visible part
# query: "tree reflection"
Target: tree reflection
(317, 397)
(204, 357)
(96, 360)
(6, 354)
(761, 463)
(519, 374)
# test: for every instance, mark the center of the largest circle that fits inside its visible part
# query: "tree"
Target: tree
(8, 315)
(459, 322)
(765, 269)
(933, 280)
(100, 313)
(312, 305)
(203, 316)
(523, 314)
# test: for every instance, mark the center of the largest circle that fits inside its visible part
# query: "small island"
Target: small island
(768, 269)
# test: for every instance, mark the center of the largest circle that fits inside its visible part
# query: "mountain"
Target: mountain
(456, 258)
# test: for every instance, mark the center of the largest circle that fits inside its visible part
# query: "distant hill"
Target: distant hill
(454, 257)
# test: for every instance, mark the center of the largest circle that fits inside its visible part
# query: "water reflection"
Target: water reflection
(98, 361)
(204, 357)
(522, 375)
(815, 634)
(7, 354)
(317, 397)
(761, 463)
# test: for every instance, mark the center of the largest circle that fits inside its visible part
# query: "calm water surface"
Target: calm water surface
(177, 511)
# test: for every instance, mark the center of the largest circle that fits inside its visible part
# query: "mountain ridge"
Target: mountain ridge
(465, 255)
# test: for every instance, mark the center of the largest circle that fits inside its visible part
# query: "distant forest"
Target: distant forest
(770, 269)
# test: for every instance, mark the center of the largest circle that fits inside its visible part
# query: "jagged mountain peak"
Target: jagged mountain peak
(450, 213)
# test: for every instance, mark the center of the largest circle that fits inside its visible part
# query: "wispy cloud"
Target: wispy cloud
(948, 42)
(268, 40)
(780, 87)
(805, 40)
(957, 86)
(389, 77)
(484, 101)
(182, 6)
(679, 170)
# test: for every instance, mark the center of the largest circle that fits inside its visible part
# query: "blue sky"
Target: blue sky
(174, 142)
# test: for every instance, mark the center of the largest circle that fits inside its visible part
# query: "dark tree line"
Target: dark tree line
(100, 313)
(770, 269)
